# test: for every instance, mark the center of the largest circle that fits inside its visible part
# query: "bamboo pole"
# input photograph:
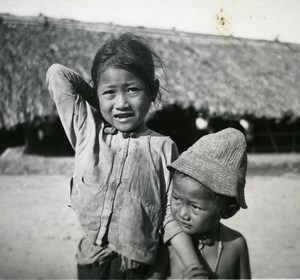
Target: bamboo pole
(274, 145)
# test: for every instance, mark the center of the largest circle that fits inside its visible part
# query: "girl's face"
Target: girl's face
(124, 99)
(193, 207)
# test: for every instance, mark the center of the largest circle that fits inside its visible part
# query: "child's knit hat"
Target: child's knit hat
(218, 161)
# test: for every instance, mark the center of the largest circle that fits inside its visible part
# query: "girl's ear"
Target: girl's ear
(230, 211)
(155, 89)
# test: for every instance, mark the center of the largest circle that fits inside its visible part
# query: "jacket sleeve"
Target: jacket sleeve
(170, 226)
(69, 92)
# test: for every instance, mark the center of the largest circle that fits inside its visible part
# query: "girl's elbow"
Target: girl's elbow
(53, 70)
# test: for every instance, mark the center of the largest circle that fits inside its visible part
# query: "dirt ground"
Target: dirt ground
(39, 233)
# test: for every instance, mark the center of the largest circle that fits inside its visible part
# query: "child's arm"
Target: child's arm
(192, 262)
(69, 90)
(73, 82)
(184, 248)
(244, 265)
(181, 242)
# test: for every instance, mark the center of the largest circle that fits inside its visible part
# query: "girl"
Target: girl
(120, 183)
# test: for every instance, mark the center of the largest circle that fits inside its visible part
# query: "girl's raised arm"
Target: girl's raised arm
(69, 92)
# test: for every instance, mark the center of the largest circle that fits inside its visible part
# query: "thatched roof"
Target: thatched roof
(224, 76)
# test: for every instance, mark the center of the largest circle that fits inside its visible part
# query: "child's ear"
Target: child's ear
(155, 89)
(230, 211)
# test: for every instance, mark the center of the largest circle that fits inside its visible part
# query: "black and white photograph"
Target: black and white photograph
(149, 139)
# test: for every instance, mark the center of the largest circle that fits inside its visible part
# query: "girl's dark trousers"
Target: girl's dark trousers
(111, 270)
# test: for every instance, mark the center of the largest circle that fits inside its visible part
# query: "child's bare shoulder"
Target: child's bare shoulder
(233, 238)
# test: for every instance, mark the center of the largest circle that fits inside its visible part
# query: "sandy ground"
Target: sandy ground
(39, 233)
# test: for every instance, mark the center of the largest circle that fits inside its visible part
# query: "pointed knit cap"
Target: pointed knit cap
(218, 161)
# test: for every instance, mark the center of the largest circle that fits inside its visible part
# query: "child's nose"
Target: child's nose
(183, 213)
(121, 101)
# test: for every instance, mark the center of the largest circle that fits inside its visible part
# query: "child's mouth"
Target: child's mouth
(187, 226)
(124, 116)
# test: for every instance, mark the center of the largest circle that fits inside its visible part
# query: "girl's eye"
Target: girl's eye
(108, 92)
(133, 90)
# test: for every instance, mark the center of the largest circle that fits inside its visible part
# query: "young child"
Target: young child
(121, 182)
(208, 185)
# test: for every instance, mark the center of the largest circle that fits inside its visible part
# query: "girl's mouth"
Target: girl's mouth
(123, 116)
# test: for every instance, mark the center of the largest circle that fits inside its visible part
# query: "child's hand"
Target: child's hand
(195, 272)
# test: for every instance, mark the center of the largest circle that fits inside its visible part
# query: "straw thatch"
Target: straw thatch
(222, 76)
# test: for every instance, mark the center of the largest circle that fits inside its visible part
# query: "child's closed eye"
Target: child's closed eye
(175, 198)
(196, 208)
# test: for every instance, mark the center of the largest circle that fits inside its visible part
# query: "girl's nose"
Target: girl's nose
(121, 101)
(183, 213)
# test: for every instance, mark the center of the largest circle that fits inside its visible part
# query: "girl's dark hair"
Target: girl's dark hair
(132, 53)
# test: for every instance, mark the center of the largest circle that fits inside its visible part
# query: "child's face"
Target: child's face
(124, 99)
(193, 207)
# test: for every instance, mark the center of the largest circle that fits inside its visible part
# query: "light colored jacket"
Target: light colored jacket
(120, 185)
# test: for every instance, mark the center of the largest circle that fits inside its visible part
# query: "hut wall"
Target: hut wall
(47, 137)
